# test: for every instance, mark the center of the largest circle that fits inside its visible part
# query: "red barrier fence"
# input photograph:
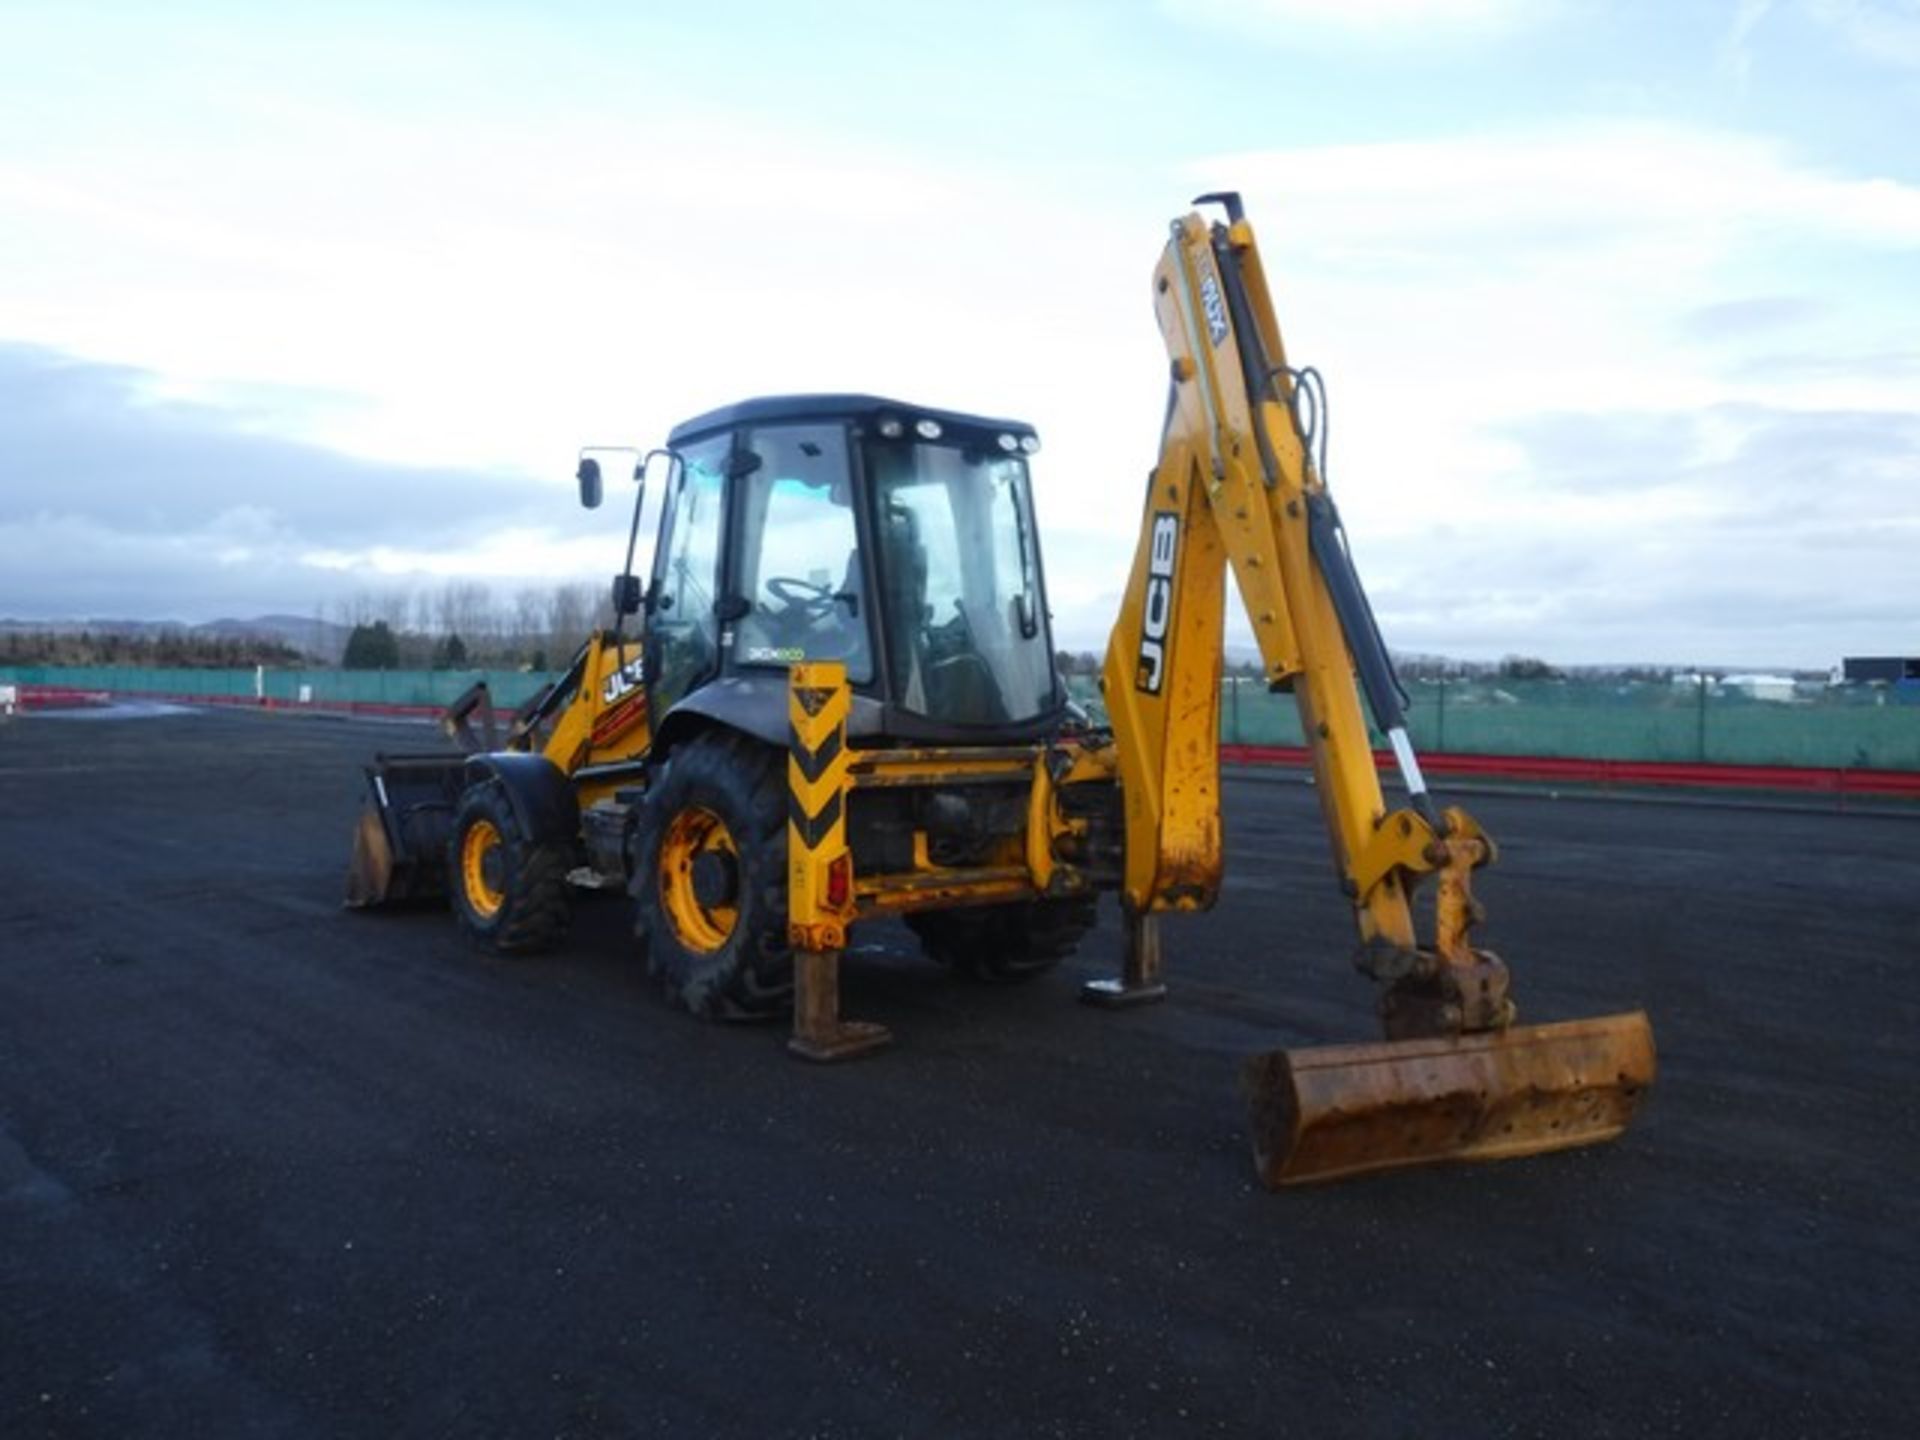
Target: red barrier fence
(1548, 770)
(54, 697)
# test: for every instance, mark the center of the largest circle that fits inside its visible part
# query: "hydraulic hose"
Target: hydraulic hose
(1326, 537)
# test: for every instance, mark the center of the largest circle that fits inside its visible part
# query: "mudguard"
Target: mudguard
(754, 703)
(542, 797)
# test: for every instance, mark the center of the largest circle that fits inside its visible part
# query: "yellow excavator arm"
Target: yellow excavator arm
(1240, 486)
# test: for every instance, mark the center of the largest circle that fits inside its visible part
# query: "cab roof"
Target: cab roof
(781, 409)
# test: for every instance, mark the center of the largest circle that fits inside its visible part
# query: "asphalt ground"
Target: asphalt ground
(272, 1168)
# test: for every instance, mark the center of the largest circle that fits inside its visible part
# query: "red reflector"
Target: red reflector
(839, 880)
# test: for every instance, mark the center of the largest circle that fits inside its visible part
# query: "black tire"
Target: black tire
(1001, 943)
(727, 956)
(521, 905)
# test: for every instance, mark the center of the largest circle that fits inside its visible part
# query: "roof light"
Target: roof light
(890, 428)
(1029, 444)
(1009, 444)
(927, 429)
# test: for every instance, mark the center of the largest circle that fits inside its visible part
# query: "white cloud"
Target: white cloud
(489, 298)
(494, 295)
(1456, 289)
(1579, 188)
(1375, 21)
(1452, 284)
(467, 286)
(525, 554)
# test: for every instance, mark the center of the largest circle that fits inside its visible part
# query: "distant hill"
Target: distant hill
(321, 639)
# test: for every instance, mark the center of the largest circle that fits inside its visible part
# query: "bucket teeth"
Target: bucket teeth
(1338, 1110)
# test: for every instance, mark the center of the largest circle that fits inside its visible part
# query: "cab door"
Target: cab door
(683, 624)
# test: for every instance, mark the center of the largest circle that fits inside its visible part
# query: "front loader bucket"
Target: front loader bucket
(1335, 1110)
(400, 841)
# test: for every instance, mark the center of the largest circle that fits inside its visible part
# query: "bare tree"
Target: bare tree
(570, 615)
(529, 616)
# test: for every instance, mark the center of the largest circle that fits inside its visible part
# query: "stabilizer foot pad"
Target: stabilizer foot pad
(850, 1040)
(1118, 995)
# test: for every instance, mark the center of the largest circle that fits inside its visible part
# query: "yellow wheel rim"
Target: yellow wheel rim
(480, 844)
(693, 833)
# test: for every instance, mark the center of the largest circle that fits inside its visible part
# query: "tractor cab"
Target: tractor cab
(893, 538)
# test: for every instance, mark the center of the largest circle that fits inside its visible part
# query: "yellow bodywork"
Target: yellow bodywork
(607, 721)
(1338, 1110)
(1232, 493)
(1227, 518)
(818, 762)
(823, 771)
(479, 853)
(692, 833)
(596, 735)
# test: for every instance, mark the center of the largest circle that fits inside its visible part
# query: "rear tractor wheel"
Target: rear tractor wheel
(710, 879)
(1004, 942)
(509, 893)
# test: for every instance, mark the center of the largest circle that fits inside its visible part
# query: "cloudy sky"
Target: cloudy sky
(1618, 301)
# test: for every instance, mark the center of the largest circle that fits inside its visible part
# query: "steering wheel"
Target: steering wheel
(802, 595)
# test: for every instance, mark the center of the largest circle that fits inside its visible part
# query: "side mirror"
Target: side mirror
(626, 594)
(589, 477)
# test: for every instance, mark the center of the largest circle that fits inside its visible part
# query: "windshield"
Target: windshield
(799, 561)
(966, 632)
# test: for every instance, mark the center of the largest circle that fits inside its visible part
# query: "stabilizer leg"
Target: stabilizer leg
(820, 903)
(1139, 982)
(819, 1034)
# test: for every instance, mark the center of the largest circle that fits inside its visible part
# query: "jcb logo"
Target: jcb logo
(1215, 307)
(618, 682)
(1163, 547)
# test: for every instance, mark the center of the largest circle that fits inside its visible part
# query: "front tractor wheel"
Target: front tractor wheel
(509, 893)
(710, 879)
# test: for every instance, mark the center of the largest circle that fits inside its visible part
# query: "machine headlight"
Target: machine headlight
(927, 429)
(1029, 444)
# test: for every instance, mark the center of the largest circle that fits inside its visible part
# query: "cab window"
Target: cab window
(799, 562)
(682, 626)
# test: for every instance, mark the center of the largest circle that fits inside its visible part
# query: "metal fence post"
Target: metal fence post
(1700, 725)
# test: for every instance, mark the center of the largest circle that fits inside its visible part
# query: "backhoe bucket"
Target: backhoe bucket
(1335, 1110)
(400, 842)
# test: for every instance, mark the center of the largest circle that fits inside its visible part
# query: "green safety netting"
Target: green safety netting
(1708, 723)
(1702, 722)
(367, 687)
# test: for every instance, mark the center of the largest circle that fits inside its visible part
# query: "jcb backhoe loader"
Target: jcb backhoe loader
(840, 702)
